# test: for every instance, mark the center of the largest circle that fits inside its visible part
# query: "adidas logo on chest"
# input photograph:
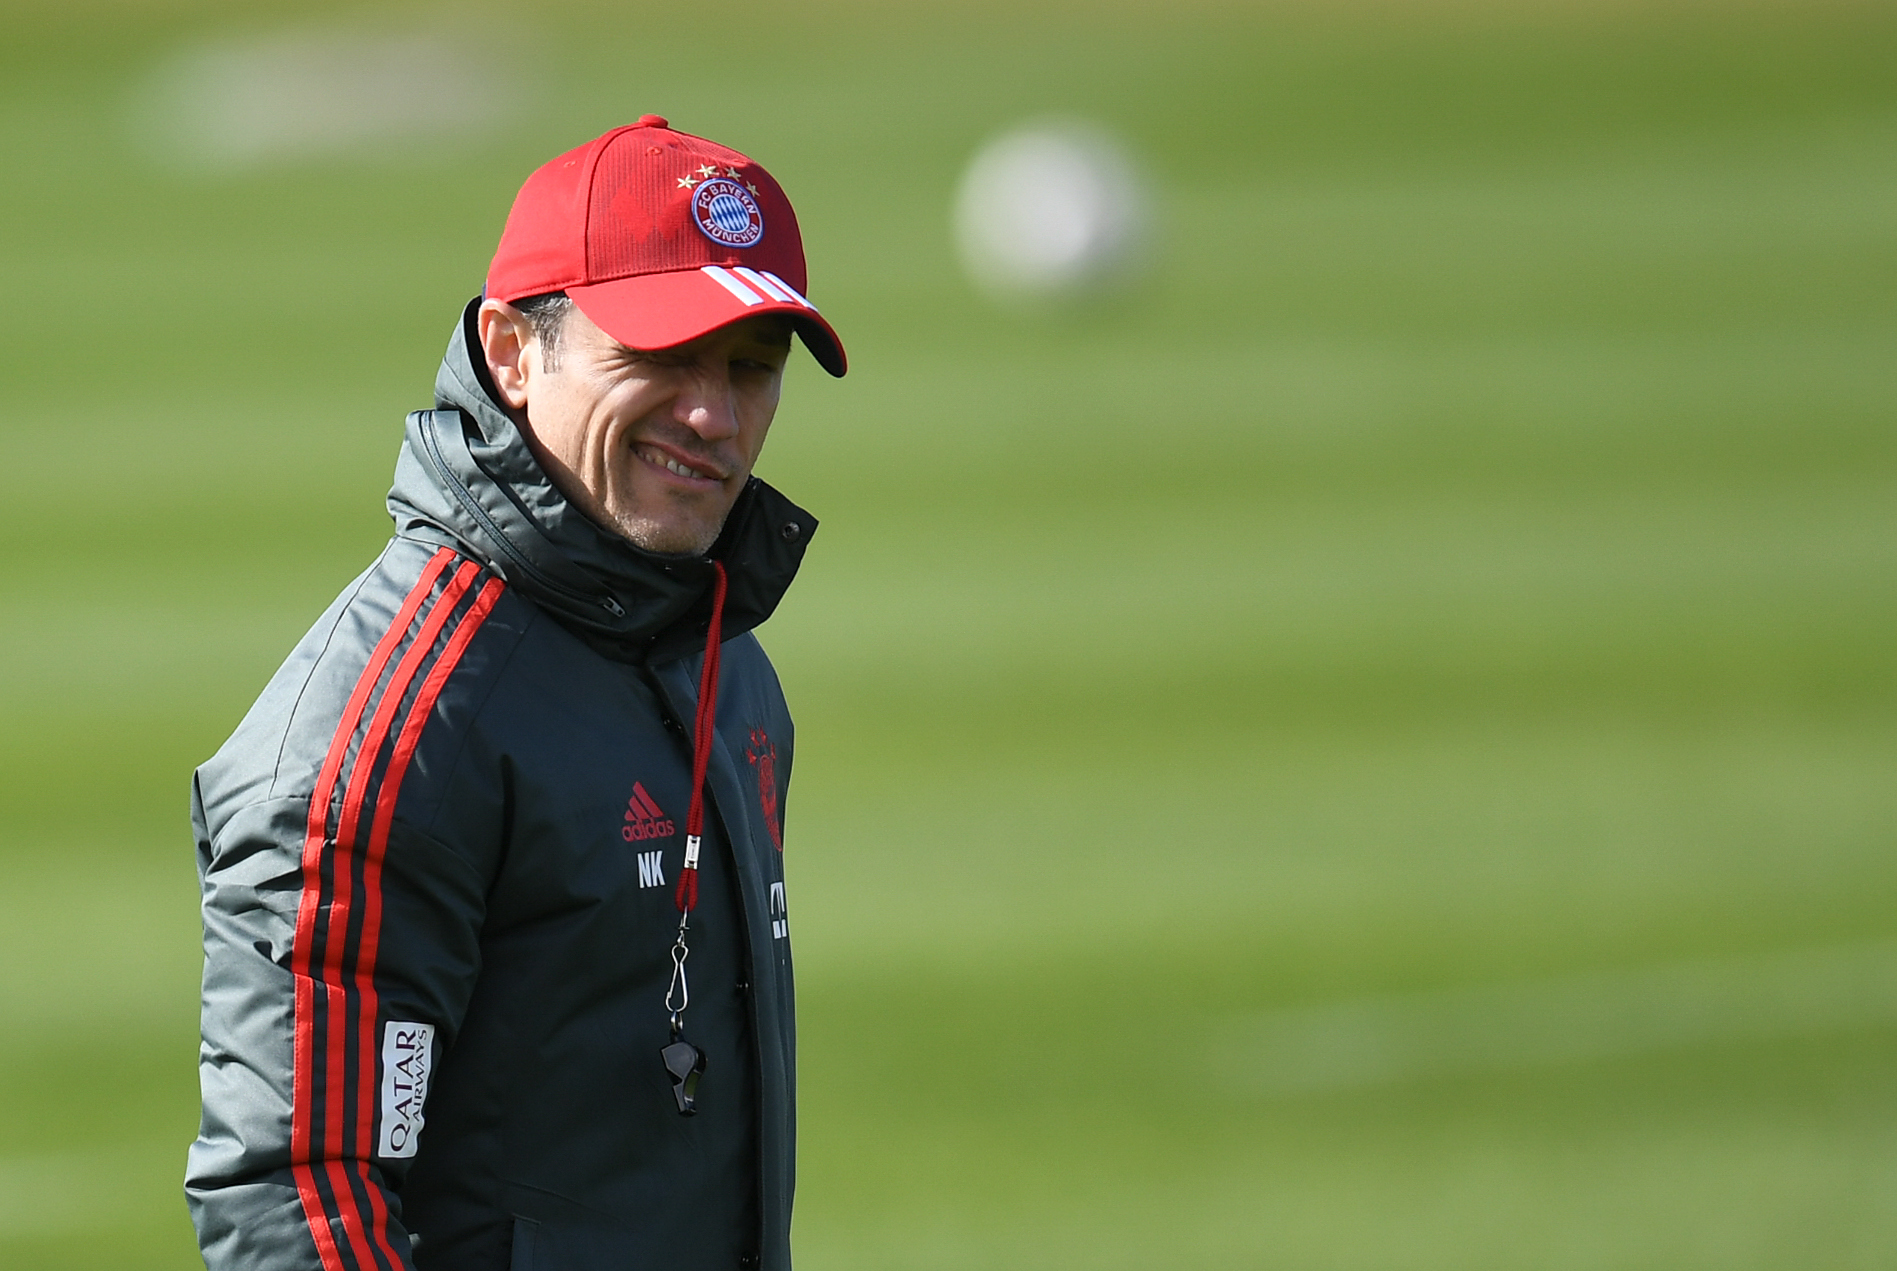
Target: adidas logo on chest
(644, 819)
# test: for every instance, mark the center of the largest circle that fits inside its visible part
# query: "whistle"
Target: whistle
(686, 1064)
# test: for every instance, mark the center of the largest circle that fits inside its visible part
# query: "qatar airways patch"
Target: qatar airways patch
(408, 1051)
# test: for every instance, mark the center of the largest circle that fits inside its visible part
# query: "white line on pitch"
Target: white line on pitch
(1451, 1032)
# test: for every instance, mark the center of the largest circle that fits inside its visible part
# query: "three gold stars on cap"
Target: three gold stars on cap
(708, 170)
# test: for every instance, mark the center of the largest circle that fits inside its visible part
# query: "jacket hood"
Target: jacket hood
(466, 479)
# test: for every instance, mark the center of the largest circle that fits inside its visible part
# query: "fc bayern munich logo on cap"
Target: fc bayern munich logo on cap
(727, 212)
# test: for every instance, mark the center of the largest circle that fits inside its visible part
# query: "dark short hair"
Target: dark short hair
(547, 312)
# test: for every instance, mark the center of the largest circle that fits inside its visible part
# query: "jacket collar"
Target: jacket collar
(466, 477)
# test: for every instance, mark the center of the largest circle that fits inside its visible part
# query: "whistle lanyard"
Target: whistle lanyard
(684, 1061)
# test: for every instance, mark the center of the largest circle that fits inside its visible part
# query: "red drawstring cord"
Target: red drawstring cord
(702, 734)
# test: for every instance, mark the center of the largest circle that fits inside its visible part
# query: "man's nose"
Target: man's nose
(705, 404)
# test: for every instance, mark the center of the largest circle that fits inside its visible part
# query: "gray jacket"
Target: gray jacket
(438, 859)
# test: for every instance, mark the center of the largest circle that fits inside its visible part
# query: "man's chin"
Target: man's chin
(668, 538)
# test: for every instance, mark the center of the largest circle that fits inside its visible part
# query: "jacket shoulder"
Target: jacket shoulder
(421, 622)
(753, 680)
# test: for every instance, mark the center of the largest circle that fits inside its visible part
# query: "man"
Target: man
(497, 961)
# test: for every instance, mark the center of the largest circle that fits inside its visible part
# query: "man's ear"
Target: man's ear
(513, 358)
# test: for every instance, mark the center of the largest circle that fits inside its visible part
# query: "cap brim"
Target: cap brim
(659, 311)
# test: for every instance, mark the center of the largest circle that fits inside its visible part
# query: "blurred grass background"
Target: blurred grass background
(1468, 562)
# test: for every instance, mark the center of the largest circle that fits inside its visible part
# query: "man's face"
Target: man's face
(654, 445)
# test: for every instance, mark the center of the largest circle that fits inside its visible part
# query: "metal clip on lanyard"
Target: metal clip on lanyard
(684, 1062)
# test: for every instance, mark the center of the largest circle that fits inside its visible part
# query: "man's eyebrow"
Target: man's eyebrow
(622, 352)
(627, 352)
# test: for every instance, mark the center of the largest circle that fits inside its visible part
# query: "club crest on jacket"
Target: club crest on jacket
(763, 757)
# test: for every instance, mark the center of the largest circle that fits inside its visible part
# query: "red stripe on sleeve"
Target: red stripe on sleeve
(313, 1211)
(335, 1048)
(371, 938)
(361, 775)
(303, 1093)
(350, 1214)
(378, 1214)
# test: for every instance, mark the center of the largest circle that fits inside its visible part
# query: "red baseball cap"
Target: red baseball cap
(659, 236)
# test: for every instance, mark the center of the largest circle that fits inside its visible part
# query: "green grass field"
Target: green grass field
(1374, 752)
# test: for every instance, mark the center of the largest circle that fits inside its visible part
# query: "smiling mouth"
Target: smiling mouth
(659, 459)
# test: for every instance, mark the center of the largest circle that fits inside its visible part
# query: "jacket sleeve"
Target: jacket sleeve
(341, 946)
(309, 1117)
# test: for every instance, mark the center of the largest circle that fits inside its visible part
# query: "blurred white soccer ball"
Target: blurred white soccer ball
(1049, 210)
